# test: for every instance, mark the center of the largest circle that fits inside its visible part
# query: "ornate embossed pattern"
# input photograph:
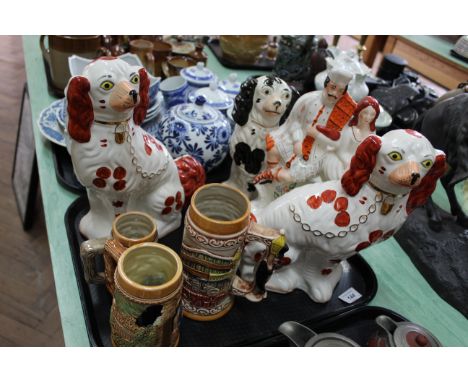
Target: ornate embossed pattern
(208, 275)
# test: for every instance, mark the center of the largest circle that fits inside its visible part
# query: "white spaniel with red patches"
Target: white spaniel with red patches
(326, 223)
(122, 167)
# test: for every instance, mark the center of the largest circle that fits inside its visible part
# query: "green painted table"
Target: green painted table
(400, 286)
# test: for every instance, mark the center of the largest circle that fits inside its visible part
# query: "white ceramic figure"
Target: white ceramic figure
(297, 157)
(349, 61)
(122, 167)
(261, 106)
(325, 223)
(341, 146)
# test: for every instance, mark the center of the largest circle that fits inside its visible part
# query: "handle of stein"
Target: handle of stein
(260, 239)
(45, 51)
(88, 252)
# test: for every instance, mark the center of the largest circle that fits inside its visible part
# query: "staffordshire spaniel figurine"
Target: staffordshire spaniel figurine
(325, 223)
(122, 167)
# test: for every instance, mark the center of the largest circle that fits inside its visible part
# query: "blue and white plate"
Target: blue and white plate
(49, 126)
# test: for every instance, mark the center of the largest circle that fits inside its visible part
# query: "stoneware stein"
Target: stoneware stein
(174, 65)
(62, 47)
(128, 229)
(144, 50)
(174, 91)
(161, 50)
(146, 306)
(217, 227)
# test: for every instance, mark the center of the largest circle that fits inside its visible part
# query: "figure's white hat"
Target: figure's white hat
(340, 77)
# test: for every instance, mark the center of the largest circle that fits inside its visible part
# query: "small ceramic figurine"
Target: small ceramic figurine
(325, 223)
(349, 61)
(261, 106)
(342, 146)
(297, 156)
(122, 167)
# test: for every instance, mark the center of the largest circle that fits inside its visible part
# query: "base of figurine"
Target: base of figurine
(211, 317)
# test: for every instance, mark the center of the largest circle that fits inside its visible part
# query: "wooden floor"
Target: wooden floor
(29, 313)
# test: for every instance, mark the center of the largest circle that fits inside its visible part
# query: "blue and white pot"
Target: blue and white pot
(230, 86)
(197, 130)
(214, 97)
(198, 76)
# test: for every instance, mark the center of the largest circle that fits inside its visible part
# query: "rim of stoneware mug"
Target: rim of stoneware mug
(127, 241)
(217, 226)
(172, 84)
(142, 44)
(138, 290)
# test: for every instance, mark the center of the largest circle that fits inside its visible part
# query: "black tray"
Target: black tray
(358, 325)
(64, 169)
(246, 324)
(260, 64)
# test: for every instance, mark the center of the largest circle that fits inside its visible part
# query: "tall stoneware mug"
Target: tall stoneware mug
(61, 47)
(146, 306)
(128, 229)
(217, 225)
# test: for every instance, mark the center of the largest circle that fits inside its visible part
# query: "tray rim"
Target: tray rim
(59, 174)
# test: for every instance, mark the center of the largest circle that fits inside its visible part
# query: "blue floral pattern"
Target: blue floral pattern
(203, 135)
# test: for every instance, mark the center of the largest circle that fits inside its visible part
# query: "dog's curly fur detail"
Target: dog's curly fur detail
(80, 109)
(362, 165)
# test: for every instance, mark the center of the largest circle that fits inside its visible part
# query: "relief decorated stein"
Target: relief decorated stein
(146, 306)
(217, 228)
(128, 229)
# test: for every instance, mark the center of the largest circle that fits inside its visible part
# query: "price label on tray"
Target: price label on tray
(350, 295)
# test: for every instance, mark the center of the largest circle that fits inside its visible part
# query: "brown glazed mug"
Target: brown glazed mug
(144, 50)
(62, 47)
(175, 64)
(146, 306)
(128, 229)
(161, 50)
(217, 227)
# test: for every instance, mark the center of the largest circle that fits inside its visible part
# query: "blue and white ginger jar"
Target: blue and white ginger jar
(197, 130)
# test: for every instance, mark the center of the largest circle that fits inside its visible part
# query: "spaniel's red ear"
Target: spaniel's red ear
(362, 164)
(419, 195)
(80, 109)
(139, 113)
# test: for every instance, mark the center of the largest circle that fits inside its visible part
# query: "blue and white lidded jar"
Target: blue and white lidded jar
(230, 86)
(214, 97)
(198, 130)
(198, 76)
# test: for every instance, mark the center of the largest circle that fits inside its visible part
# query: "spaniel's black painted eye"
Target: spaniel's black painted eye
(135, 79)
(107, 85)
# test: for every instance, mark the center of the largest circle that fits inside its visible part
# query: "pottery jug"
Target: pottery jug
(146, 306)
(60, 48)
(402, 334)
(128, 229)
(144, 50)
(302, 336)
(217, 228)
